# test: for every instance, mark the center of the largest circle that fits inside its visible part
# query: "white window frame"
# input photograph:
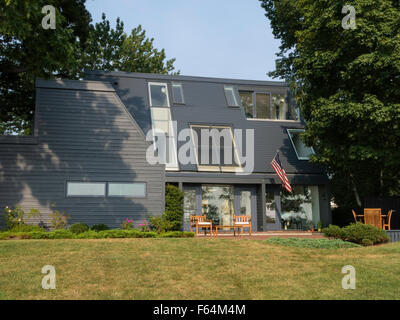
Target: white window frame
(232, 88)
(219, 167)
(181, 90)
(289, 131)
(158, 84)
(174, 165)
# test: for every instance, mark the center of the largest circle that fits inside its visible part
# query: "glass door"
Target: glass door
(272, 208)
(245, 204)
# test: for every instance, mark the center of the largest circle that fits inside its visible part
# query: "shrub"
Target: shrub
(358, 233)
(127, 224)
(100, 227)
(333, 231)
(78, 228)
(312, 243)
(59, 220)
(160, 224)
(16, 217)
(25, 228)
(173, 207)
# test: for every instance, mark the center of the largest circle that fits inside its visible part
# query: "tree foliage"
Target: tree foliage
(347, 83)
(28, 52)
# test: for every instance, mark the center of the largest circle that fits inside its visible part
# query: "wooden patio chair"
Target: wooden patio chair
(242, 221)
(200, 222)
(373, 217)
(389, 217)
(357, 215)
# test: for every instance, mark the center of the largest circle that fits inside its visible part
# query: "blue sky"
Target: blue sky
(214, 38)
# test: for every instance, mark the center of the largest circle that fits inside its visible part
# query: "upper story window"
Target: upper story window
(247, 102)
(177, 93)
(164, 137)
(267, 106)
(158, 94)
(302, 151)
(230, 96)
(215, 148)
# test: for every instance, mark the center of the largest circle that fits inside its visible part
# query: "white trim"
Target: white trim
(149, 84)
(294, 147)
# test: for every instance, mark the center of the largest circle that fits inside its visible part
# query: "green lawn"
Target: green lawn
(194, 269)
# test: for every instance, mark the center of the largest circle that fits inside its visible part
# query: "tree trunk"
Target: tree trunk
(356, 195)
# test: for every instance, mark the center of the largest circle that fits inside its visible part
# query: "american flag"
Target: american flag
(276, 165)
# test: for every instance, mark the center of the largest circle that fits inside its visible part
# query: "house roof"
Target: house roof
(205, 103)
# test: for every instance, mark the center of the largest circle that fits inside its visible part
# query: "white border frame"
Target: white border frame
(294, 147)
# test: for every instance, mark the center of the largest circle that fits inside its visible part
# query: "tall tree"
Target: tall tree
(111, 49)
(28, 51)
(347, 83)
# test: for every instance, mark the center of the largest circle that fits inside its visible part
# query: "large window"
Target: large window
(215, 148)
(300, 208)
(177, 93)
(217, 203)
(302, 151)
(263, 105)
(163, 131)
(158, 93)
(230, 96)
(164, 137)
(86, 189)
(124, 189)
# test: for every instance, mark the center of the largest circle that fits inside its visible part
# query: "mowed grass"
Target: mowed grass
(194, 269)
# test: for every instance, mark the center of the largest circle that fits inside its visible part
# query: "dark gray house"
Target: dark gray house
(104, 149)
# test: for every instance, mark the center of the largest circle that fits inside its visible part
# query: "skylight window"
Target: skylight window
(158, 93)
(302, 151)
(230, 96)
(177, 93)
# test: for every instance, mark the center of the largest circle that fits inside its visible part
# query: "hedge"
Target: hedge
(115, 233)
(358, 233)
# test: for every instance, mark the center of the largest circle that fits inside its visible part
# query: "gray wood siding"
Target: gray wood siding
(84, 133)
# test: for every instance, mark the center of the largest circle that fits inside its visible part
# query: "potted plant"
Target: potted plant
(319, 226)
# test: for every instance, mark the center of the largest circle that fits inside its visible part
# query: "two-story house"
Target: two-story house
(105, 147)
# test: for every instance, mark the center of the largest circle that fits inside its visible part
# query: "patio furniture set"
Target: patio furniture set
(374, 217)
(239, 222)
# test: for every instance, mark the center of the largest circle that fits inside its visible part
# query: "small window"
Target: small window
(230, 96)
(158, 94)
(125, 189)
(177, 93)
(86, 189)
(302, 151)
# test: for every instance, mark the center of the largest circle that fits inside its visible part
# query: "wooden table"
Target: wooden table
(230, 227)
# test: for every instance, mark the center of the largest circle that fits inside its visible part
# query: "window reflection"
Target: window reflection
(217, 203)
